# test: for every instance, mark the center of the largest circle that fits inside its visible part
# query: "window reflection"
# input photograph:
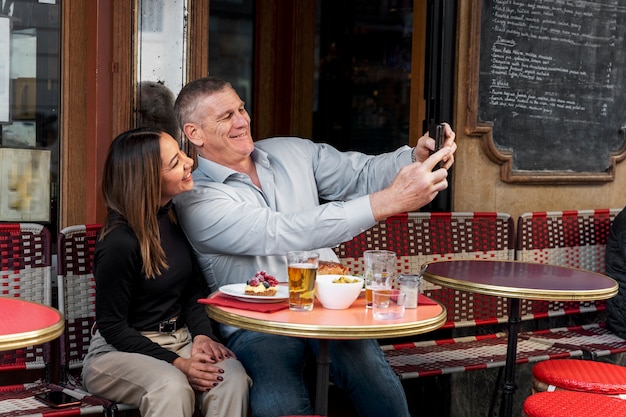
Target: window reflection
(162, 43)
(161, 68)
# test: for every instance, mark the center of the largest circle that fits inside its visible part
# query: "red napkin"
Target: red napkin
(226, 301)
(422, 300)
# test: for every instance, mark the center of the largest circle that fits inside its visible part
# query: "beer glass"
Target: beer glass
(302, 271)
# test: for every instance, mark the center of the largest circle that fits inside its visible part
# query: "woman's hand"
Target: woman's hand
(200, 368)
(201, 374)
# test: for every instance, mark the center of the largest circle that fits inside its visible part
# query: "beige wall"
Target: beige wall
(477, 185)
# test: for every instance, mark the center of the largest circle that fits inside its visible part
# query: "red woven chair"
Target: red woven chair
(577, 239)
(421, 237)
(26, 272)
(572, 404)
(77, 295)
(580, 375)
(77, 301)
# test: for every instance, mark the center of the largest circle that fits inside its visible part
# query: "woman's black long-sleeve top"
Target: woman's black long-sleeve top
(128, 303)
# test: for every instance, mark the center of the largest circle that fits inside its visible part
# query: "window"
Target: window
(29, 107)
(363, 79)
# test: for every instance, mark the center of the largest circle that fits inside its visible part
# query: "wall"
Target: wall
(476, 178)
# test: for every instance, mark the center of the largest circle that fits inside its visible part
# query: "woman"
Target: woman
(154, 347)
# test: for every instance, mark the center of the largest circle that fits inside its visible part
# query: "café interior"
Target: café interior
(537, 113)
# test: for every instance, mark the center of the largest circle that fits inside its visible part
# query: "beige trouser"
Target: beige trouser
(157, 387)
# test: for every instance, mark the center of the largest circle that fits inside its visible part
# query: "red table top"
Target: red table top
(521, 280)
(356, 322)
(26, 323)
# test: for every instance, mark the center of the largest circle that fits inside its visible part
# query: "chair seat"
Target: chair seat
(573, 404)
(579, 375)
(18, 400)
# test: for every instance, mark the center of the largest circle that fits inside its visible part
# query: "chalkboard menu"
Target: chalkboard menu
(552, 80)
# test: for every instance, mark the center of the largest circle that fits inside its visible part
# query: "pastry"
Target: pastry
(262, 284)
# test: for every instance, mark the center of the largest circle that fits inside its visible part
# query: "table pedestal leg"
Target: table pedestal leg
(323, 375)
(509, 387)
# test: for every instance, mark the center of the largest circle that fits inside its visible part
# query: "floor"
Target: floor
(469, 394)
(464, 394)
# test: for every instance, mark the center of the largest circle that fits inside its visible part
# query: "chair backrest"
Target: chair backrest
(574, 238)
(77, 292)
(421, 237)
(25, 272)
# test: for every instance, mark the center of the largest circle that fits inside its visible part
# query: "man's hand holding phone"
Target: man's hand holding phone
(436, 131)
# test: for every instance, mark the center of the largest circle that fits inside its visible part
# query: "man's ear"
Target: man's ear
(191, 131)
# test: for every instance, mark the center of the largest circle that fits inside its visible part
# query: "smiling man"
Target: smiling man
(253, 202)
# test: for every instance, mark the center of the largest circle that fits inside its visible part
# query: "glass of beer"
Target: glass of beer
(302, 271)
(380, 266)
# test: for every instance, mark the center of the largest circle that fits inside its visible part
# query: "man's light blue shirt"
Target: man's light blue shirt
(237, 229)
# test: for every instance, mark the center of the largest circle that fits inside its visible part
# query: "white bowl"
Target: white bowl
(337, 295)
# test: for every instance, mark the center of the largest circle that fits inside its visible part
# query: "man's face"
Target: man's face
(223, 127)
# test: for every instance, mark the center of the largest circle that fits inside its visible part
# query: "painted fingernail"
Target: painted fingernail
(220, 378)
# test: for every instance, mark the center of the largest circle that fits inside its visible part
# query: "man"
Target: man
(253, 202)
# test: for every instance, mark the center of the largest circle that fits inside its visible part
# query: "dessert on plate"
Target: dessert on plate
(262, 285)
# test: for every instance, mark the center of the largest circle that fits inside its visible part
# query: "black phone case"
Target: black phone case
(57, 399)
(435, 131)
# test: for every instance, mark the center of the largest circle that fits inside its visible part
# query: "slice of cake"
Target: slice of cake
(263, 284)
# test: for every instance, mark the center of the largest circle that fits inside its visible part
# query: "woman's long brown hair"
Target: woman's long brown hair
(131, 187)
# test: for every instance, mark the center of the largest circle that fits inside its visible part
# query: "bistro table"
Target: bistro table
(356, 322)
(26, 323)
(517, 280)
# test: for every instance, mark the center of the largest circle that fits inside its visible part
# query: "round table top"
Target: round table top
(533, 281)
(356, 322)
(26, 323)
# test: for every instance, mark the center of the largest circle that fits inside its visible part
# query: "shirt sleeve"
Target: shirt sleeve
(195, 315)
(289, 216)
(345, 176)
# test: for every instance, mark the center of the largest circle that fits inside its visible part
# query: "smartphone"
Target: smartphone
(435, 131)
(57, 399)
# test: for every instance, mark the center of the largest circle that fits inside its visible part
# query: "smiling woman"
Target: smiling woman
(148, 285)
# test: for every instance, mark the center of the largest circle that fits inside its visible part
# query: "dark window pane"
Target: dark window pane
(363, 78)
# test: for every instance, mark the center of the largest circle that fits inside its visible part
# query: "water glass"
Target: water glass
(380, 266)
(388, 304)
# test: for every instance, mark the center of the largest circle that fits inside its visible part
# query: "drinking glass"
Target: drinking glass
(379, 270)
(302, 271)
(410, 285)
(388, 304)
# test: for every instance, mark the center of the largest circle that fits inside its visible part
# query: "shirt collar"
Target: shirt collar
(220, 173)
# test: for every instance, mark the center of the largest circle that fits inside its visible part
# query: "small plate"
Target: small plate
(238, 291)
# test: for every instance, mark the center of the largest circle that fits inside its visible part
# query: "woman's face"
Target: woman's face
(175, 169)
